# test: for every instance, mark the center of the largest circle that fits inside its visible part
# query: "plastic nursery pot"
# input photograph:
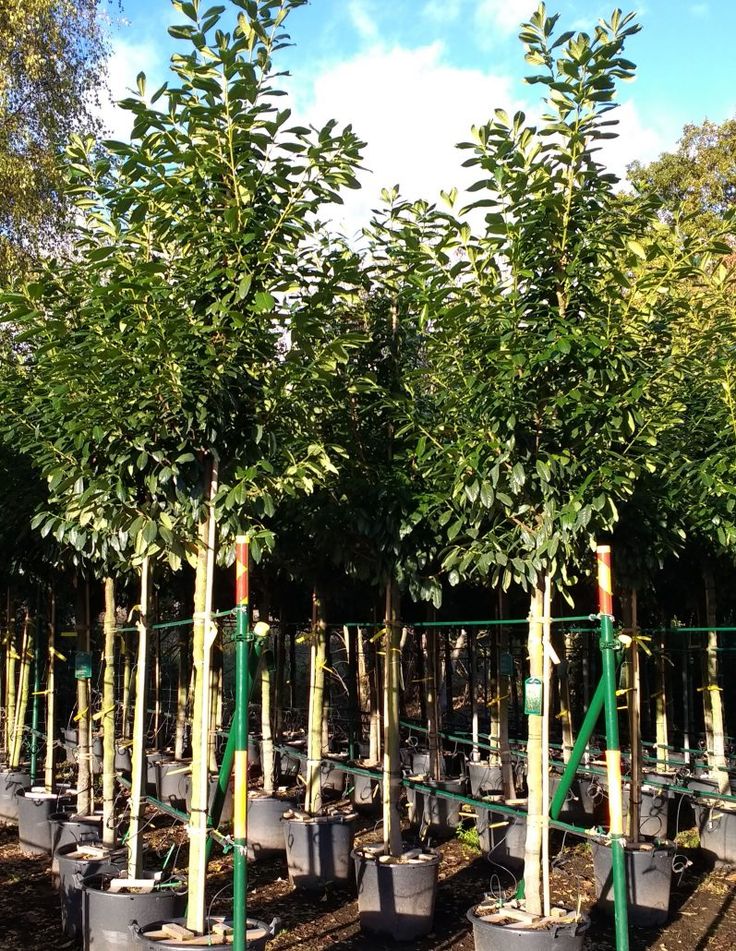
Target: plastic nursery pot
(435, 815)
(653, 811)
(318, 849)
(584, 803)
(287, 767)
(107, 916)
(35, 807)
(226, 815)
(490, 934)
(152, 937)
(648, 881)
(502, 837)
(332, 778)
(366, 794)
(265, 832)
(485, 778)
(122, 760)
(76, 862)
(171, 781)
(69, 740)
(152, 760)
(11, 782)
(397, 897)
(717, 825)
(69, 829)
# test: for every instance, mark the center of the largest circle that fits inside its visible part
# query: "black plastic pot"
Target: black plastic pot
(653, 811)
(265, 832)
(69, 829)
(226, 815)
(73, 869)
(648, 881)
(107, 916)
(257, 935)
(152, 761)
(319, 850)
(172, 781)
(366, 794)
(435, 815)
(11, 781)
(69, 740)
(497, 937)
(585, 801)
(717, 827)
(287, 767)
(332, 778)
(97, 754)
(396, 899)
(122, 760)
(502, 838)
(485, 778)
(34, 811)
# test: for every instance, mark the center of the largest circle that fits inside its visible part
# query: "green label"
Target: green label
(506, 665)
(533, 697)
(82, 665)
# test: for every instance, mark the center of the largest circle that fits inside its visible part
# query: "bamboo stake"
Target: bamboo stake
(21, 708)
(662, 726)
(473, 681)
(108, 718)
(374, 689)
(12, 658)
(49, 778)
(84, 764)
(137, 808)
(127, 681)
(267, 754)
(504, 689)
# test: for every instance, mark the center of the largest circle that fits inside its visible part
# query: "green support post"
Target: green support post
(240, 753)
(613, 752)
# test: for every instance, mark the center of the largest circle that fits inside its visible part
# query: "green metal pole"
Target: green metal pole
(613, 752)
(36, 692)
(240, 753)
(578, 750)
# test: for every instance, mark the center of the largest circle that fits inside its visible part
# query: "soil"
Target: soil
(703, 905)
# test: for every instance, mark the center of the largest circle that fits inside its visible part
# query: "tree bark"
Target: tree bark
(392, 843)
(108, 718)
(533, 844)
(715, 731)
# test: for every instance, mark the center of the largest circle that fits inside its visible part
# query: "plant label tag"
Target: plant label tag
(82, 665)
(533, 697)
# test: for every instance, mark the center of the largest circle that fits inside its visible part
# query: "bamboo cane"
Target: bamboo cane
(535, 767)
(182, 692)
(715, 730)
(49, 777)
(391, 756)
(313, 799)
(21, 707)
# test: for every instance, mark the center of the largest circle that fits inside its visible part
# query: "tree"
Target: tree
(52, 54)
(698, 180)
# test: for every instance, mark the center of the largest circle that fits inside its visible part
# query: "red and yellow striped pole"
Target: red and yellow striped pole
(240, 801)
(613, 751)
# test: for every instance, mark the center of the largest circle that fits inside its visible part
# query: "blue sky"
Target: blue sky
(413, 75)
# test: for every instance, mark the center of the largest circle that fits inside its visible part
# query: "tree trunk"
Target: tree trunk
(85, 797)
(48, 776)
(182, 693)
(660, 697)
(11, 657)
(267, 755)
(391, 756)
(634, 724)
(504, 688)
(201, 656)
(108, 718)
(313, 799)
(374, 691)
(356, 722)
(715, 731)
(473, 681)
(138, 772)
(533, 845)
(127, 681)
(436, 770)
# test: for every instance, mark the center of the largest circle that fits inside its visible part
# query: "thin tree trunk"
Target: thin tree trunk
(49, 777)
(374, 690)
(12, 658)
(715, 731)
(138, 772)
(85, 800)
(313, 799)
(356, 722)
(127, 681)
(660, 697)
(392, 844)
(562, 645)
(635, 726)
(108, 718)
(267, 754)
(533, 844)
(547, 710)
(436, 770)
(201, 654)
(182, 693)
(473, 681)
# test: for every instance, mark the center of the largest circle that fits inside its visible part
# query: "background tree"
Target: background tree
(52, 56)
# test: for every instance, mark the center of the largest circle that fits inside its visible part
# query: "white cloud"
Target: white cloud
(636, 140)
(442, 11)
(412, 109)
(363, 18)
(126, 61)
(502, 16)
